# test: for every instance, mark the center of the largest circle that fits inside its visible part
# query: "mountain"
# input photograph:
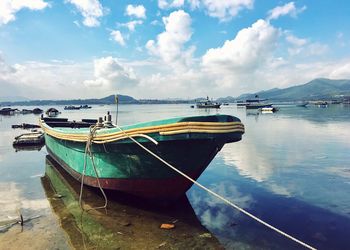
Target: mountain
(321, 88)
(123, 99)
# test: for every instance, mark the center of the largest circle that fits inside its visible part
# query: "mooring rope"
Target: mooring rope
(219, 196)
(88, 151)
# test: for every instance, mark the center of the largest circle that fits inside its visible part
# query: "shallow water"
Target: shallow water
(292, 169)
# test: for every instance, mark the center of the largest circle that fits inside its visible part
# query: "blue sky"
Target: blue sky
(168, 48)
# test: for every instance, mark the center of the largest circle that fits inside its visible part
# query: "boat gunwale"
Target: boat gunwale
(104, 136)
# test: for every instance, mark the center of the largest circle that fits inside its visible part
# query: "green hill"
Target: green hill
(316, 89)
(123, 99)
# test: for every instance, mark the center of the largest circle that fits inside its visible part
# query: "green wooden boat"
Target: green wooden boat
(188, 143)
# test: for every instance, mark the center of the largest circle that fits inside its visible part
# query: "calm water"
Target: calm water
(291, 169)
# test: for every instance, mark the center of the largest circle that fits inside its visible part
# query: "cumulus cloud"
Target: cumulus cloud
(117, 36)
(131, 25)
(287, 9)
(225, 10)
(22, 79)
(301, 46)
(91, 10)
(138, 11)
(110, 74)
(169, 45)
(167, 4)
(250, 48)
(9, 8)
(5, 69)
(295, 40)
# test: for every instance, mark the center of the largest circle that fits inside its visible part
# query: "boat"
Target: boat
(85, 106)
(257, 103)
(26, 111)
(7, 111)
(52, 112)
(71, 107)
(187, 143)
(207, 103)
(37, 111)
(29, 139)
(321, 104)
(25, 126)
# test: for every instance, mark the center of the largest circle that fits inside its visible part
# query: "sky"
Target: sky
(64, 49)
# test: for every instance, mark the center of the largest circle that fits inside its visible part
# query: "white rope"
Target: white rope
(219, 196)
(88, 151)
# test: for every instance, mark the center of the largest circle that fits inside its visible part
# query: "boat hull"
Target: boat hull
(213, 106)
(188, 144)
(130, 169)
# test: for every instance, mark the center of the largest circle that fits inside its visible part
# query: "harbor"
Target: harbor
(267, 173)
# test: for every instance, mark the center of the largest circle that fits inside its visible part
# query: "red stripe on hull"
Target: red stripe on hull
(157, 189)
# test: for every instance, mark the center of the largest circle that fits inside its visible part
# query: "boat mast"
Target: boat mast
(117, 102)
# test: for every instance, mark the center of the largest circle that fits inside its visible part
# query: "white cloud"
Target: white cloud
(5, 69)
(138, 11)
(169, 45)
(225, 10)
(9, 8)
(111, 75)
(117, 36)
(303, 47)
(250, 48)
(91, 10)
(131, 25)
(295, 40)
(167, 4)
(194, 4)
(287, 9)
(343, 72)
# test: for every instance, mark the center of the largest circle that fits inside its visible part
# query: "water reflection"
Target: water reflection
(28, 148)
(127, 222)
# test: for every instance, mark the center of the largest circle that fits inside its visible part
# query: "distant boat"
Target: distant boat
(346, 102)
(8, 111)
(321, 104)
(207, 103)
(71, 107)
(188, 143)
(258, 105)
(85, 106)
(26, 111)
(29, 139)
(52, 112)
(37, 111)
(255, 103)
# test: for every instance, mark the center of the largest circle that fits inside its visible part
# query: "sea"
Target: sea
(291, 169)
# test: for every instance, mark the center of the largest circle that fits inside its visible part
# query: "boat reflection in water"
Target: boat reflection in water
(126, 223)
(28, 148)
